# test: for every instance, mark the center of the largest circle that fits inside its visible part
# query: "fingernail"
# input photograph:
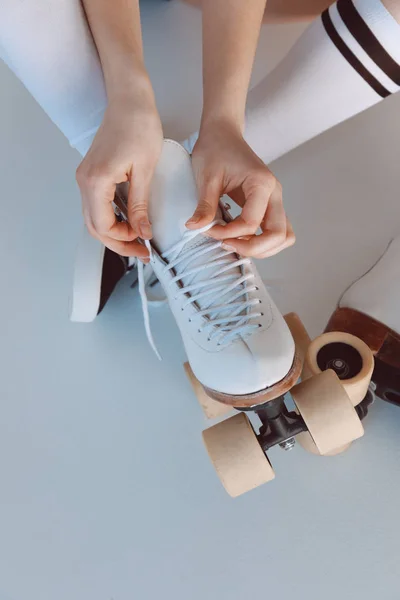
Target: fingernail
(228, 247)
(145, 230)
(193, 221)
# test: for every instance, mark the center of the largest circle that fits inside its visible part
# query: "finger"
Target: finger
(239, 227)
(256, 194)
(290, 235)
(274, 228)
(127, 248)
(289, 241)
(122, 248)
(121, 231)
(138, 200)
(206, 210)
(97, 197)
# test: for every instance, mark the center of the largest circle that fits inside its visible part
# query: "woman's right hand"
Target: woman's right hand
(126, 149)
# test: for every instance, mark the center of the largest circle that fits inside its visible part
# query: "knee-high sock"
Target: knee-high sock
(346, 61)
(50, 48)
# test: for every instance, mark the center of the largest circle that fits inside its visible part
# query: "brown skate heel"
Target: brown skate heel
(384, 344)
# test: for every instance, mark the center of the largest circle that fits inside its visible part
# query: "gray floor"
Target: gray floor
(106, 490)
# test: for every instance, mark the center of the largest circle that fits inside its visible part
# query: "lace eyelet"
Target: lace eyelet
(257, 288)
(262, 314)
(260, 302)
(199, 331)
(259, 325)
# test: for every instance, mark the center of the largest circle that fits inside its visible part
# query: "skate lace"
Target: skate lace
(226, 308)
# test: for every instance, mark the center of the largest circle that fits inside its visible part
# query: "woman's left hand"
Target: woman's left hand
(224, 163)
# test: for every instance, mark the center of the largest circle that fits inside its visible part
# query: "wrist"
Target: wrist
(225, 103)
(221, 122)
(223, 112)
(130, 82)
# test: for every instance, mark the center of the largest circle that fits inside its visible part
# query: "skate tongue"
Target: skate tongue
(173, 200)
(173, 196)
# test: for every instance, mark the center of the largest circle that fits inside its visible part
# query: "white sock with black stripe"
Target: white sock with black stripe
(364, 42)
(346, 61)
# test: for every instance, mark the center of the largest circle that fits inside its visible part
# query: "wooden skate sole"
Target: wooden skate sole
(384, 342)
(262, 396)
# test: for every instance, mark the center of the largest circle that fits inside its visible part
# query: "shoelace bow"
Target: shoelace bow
(233, 288)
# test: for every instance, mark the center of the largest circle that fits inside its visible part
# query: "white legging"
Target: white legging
(49, 46)
(343, 63)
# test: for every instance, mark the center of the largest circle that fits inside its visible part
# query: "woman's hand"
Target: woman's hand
(225, 164)
(125, 149)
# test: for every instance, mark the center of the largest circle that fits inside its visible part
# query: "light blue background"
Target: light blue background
(106, 491)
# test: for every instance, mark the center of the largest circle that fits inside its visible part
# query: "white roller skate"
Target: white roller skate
(236, 340)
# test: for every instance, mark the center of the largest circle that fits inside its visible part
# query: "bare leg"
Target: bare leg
(285, 11)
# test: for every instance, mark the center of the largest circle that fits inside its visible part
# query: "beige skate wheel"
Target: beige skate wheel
(348, 356)
(299, 334)
(327, 411)
(212, 408)
(238, 458)
(305, 440)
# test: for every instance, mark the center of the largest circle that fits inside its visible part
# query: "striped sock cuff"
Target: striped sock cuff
(359, 36)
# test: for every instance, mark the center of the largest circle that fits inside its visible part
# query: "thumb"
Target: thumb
(207, 206)
(138, 198)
